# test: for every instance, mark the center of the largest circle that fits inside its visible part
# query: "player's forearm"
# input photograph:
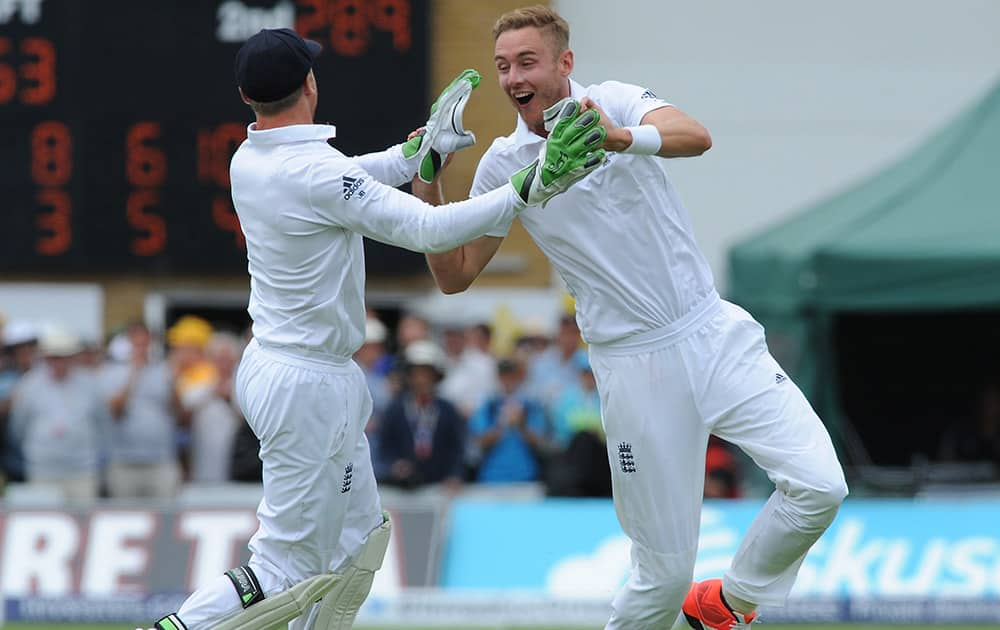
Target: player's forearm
(451, 225)
(448, 270)
(432, 193)
(428, 229)
(683, 138)
(679, 138)
(679, 134)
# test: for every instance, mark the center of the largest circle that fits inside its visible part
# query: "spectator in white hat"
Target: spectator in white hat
(421, 437)
(60, 420)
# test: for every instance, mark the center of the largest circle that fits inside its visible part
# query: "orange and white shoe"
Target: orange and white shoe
(706, 609)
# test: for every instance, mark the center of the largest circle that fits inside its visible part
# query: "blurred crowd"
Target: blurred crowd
(126, 419)
(141, 415)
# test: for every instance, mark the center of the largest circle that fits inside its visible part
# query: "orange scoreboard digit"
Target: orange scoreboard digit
(118, 120)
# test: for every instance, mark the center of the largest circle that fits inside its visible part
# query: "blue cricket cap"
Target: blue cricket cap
(273, 63)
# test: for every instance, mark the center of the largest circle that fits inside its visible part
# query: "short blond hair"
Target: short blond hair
(539, 16)
(272, 108)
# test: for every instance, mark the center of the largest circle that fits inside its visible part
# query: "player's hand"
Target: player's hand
(453, 135)
(571, 151)
(617, 139)
(444, 163)
(444, 132)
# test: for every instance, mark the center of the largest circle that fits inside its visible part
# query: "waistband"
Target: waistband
(301, 357)
(667, 335)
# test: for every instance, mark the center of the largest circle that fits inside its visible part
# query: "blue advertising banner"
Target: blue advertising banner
(875, 549)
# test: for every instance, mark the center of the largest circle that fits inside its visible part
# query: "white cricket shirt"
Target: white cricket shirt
(304, 207)
(620, 238)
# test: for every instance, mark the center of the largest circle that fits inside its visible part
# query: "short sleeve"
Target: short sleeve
(627, 103)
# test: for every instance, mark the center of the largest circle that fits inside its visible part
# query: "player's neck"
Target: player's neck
(539, 130)
(294, 116)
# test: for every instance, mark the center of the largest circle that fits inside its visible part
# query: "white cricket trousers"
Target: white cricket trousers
(320, 500)
(662, 394)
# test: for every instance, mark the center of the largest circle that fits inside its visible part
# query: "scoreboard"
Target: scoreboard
(118, 119)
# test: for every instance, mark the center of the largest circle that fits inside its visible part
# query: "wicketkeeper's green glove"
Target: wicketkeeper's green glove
(444, 132)
(571, 151)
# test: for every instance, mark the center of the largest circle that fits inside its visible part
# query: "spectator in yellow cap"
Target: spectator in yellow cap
(214, 419)
(195, 377)
(189, 331)
(192, 370)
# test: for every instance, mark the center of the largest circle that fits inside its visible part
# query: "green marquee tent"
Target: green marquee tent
(922, 235)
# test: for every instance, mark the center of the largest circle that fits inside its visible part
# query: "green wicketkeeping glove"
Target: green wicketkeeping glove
(571, 151)
(444, 132)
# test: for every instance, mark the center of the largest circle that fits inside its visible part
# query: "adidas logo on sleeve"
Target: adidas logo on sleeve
(351, 186)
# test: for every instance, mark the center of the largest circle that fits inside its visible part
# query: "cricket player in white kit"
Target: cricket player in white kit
(303, 207)
(673, 361)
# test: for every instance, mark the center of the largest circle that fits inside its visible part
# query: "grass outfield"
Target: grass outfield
(21, 626)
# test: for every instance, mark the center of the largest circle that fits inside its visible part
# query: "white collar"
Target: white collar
(290, 133)
(523, 135)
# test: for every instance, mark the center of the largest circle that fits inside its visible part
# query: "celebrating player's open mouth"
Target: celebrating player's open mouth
(523, 98)
(527, 105)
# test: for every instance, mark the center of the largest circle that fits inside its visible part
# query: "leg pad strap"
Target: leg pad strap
(170, 622)
(247, 587)
(276, 611)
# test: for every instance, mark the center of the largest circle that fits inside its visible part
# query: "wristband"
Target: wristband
(645, 140)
